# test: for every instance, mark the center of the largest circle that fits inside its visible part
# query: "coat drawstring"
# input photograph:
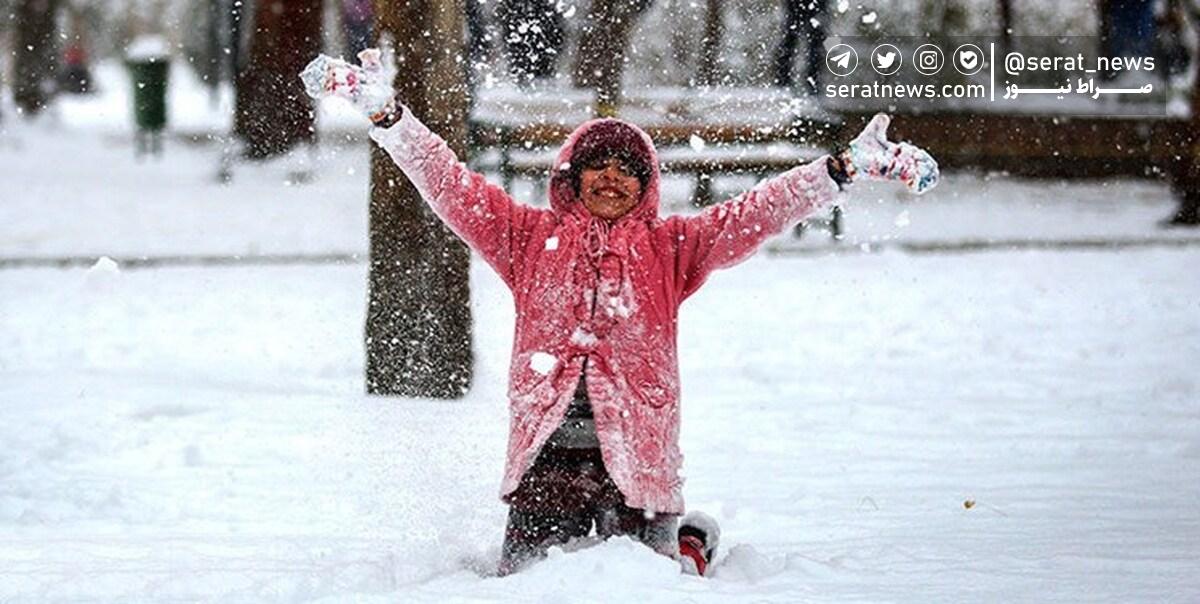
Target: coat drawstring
(595, 320)
(596, 239)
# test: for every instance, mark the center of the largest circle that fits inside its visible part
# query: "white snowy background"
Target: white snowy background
(196, 432)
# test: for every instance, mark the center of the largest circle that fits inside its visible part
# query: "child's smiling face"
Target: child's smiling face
(608, 190)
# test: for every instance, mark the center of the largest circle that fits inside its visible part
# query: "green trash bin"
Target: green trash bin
(149, 76)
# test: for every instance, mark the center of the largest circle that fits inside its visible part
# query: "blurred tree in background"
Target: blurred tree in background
(1186, 171)
(710, 45)
(603, 42)
(533, 33)
(34, 54)
(273, 113)
(418, 327)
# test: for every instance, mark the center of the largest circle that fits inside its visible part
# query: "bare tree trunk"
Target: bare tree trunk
(34, 54)
(236, 15)
(1186, 173)
(532, 31)
(418, 329)
(710, 46)
(210, 64)
(273, 112)
(602, 43)
(1006, 27)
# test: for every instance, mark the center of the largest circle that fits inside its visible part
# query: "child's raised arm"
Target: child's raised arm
(730, 232)
(480, 213)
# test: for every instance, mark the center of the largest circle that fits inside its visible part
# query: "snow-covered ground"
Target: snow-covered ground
(199, 433)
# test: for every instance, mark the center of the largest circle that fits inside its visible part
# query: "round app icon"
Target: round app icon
(886, 59)
(928, 59)
(968, 59)
(841, 60)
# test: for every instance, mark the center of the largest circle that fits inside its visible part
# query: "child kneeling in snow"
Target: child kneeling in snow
(597, 280)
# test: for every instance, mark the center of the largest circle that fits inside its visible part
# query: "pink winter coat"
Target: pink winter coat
(608, 293)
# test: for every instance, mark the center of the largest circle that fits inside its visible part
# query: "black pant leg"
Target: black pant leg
(552, 505)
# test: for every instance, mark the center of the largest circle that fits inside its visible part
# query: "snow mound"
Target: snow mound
(102, 276)
(748, 565)
(104, 264)
(628, 568)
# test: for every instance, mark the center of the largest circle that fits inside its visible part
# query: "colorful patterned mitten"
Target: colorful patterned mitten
(871, 155)
(366, 87)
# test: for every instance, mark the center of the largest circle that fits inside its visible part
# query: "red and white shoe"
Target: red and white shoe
(699, 535)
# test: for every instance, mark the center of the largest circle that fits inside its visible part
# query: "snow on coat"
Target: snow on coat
(608, 293)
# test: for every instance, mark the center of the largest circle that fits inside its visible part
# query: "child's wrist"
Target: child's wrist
(840, 168)
(388, 115)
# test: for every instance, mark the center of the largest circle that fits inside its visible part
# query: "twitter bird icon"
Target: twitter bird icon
(886, 59)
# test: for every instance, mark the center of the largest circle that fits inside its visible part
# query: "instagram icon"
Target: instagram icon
(928, 59)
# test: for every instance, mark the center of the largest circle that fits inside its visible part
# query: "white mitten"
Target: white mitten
(871, 155)
(366, 87)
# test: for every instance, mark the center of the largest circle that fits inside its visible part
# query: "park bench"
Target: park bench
(1045, 144)
(1065, 144)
